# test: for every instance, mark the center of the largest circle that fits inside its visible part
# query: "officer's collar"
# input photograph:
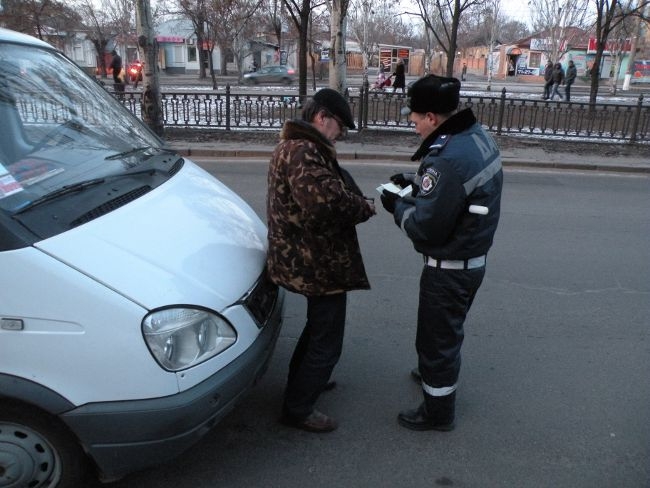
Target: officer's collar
(455, 124)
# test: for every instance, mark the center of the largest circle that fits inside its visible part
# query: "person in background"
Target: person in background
(571, 73)
(459, 173)
(313, 207)
(548, 80)
(116, 66)
(558, 79)
(400, 76)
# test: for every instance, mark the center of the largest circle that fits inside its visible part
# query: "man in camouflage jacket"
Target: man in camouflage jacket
(313, 206)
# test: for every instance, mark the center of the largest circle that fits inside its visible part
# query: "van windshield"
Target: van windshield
(59, 128)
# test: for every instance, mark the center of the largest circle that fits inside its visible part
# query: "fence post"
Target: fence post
(365, 101)
(637, 117)
(228, 106)
(502, 107)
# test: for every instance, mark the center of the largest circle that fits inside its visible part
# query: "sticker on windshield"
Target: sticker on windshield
(8, 185)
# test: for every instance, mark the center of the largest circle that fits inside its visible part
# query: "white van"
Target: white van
(134, 308)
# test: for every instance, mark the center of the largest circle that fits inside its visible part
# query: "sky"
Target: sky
(516, 9)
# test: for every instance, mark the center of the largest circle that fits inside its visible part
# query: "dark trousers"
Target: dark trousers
(547, 89)
(567, 91)
(445, 298)
(317, 352)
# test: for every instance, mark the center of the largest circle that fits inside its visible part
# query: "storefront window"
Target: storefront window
(535, 60)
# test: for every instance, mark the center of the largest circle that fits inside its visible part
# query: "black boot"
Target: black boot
(435, 413)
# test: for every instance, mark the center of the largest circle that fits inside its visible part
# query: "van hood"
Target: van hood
(189, 241)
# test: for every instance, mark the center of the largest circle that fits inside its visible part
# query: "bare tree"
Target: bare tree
(609, 14)
(482, 27)
(636, 35)
(151, 97)
(121, 17)
(231, 28)
(338, 50)
(561, 21)
(196, 12)
(35, 17)
(513, 30)
(276, 20)
(300, 13)
(618, 41)
(442, 18)
(101, 31)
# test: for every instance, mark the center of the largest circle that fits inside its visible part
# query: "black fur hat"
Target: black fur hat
(431, 93)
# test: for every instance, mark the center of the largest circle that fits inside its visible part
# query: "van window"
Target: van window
(61, 131)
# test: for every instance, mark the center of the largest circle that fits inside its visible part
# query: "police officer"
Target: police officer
(451, 217)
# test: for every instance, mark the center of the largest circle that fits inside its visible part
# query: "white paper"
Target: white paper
(393, 188)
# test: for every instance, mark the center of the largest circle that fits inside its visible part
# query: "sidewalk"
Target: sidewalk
(613, 158)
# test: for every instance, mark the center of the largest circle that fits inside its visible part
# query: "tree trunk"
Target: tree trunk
(338, 61)
(151, 99)
(595, 77)
(302, 56)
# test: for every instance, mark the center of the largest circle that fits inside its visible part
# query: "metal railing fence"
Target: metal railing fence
(501, 114)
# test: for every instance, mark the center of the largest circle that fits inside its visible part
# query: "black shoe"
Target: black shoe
(418, 419)
(416, 376)
(314, 422)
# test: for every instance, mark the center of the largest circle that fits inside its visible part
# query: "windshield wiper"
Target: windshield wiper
(64, 190)
(75, 187)
(130, 152)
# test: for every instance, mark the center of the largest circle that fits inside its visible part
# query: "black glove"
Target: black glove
(403, 179)
(388, 200)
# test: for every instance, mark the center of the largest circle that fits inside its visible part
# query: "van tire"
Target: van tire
(36, 450)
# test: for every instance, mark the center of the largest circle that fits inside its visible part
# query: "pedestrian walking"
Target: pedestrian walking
(558, 79)
(548, 80)
(400, 76)
(451, 217)
(571, 73)
(313, 207)
(116, 67)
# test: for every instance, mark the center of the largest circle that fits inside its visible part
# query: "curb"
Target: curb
(508, 161)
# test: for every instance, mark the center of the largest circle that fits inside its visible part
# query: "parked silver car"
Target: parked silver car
(272, 74)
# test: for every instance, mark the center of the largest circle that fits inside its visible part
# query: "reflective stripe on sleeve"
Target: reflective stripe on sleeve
(405, 216)
(438, 392)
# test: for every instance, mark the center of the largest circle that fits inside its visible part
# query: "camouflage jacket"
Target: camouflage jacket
(311, 216)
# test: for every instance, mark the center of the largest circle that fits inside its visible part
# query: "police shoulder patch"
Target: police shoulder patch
(429, 181)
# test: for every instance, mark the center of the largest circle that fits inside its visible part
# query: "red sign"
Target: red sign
(615, 46)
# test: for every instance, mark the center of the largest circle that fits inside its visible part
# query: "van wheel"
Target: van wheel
(37, 452)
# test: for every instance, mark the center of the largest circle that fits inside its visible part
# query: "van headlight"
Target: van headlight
(180, 338)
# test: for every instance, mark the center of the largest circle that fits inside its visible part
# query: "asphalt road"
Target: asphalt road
(554, 389)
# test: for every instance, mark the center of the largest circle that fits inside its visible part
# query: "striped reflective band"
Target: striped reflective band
(438, 392)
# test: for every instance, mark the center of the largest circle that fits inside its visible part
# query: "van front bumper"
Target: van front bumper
(122, 437)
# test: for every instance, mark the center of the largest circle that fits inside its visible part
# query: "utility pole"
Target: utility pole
(151, 99)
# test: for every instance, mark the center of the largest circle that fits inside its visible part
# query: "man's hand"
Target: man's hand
(388, 200)
(403, 179)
